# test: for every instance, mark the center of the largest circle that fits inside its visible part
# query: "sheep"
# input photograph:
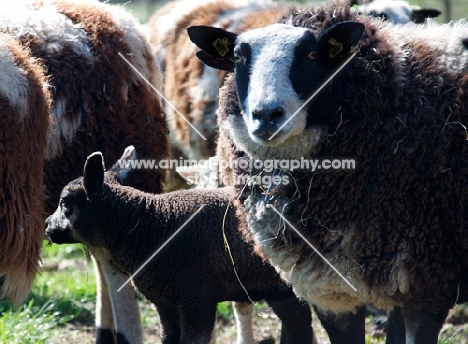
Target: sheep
(397, 11)
(196, 270)
(191, 87)
(24, 122)
(99, 103)
(393, 225)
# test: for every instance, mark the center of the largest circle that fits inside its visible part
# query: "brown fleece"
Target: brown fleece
(111, 119)
(409, 192)
(22, 149)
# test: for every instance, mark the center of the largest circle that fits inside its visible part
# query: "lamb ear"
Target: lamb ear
(93, 175)
(217, 46)
(337, 40)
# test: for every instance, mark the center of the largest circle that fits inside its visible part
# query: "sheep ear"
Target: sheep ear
(93, 175)
(419, 16)
(215, 62)
(217, 46)
(465, 42)
(123, 168)
(122, 164)
(337, 40)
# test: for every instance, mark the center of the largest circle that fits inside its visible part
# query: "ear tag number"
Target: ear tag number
(221, 45)
(337, 47)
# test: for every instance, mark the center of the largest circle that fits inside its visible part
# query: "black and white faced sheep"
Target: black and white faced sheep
(188, 84)
(395, 225)
(24, 122)
(194, 271)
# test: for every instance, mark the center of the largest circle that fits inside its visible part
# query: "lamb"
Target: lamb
(24, 122)
(183, 280)
(395, 225)
(99, 103)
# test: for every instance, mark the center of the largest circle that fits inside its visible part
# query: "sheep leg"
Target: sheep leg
(344, 328)
(243, 314)
(295, 315)
(104, 317)
(422, 327)
(197, 321)
(169, 320)
(395, 327)
(124, 303)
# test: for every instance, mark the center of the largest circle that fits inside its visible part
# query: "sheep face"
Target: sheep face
(277, 69)
(71, 222)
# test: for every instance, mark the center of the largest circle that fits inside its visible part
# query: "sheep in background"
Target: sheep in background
(395, 225)
(196, 270)
(24, 124)
(99, 103)
(396, 11)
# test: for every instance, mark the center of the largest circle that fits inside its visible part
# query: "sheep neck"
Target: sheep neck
(134, 223)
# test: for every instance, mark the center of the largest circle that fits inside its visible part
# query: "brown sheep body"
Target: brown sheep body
(394, 225)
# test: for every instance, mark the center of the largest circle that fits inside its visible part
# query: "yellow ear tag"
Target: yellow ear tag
(336, 49)
(221, 44)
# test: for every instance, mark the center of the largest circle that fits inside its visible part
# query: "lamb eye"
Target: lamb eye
(312, 55)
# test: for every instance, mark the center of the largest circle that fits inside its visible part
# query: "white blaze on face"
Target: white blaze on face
(272, 54)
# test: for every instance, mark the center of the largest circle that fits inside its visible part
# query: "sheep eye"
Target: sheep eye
(312, 55)
(237, 58)
(63, 203)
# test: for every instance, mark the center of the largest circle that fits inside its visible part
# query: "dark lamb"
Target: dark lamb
(194, 272)
(396, 225)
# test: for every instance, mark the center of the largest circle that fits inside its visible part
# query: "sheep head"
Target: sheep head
(70, 223)
(277, 69)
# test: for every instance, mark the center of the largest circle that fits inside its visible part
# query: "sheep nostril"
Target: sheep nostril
(268, 115)
(277, 113)
(257, 114)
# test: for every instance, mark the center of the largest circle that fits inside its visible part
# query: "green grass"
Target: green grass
(31, 323)
(57, 298)
(60, 309)
(140, 10)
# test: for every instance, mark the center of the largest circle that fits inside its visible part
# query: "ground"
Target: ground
(61, 310)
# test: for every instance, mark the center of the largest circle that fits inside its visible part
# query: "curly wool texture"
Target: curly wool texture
(24, 123)
(99, 102)
(395, 226)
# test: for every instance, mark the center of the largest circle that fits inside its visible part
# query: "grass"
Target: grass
(60, 309)
(65, 298)
(31, 323)
(57, 298)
